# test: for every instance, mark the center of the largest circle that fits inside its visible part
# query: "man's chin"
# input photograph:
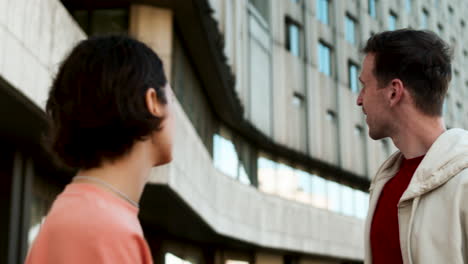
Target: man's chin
(376, 136)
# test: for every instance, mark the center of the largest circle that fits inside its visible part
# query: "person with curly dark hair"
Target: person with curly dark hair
(111, 120)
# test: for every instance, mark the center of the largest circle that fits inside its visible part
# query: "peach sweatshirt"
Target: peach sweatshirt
(89, 225)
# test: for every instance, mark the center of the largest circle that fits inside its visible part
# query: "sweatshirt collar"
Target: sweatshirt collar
(447, 156)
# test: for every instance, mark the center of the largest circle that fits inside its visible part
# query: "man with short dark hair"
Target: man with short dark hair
(417, 212)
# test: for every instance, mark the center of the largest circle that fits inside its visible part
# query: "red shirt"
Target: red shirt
(384, 234)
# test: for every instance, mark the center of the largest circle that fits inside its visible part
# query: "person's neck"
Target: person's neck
(416, 135)
(128, 175)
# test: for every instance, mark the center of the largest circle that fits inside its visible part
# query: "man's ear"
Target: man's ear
(153, 104)
(396, 91)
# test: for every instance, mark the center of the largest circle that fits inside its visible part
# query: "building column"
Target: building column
(154, 27)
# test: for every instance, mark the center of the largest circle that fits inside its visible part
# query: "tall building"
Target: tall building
(272, 160)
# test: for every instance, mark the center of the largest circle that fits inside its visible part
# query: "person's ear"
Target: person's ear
(153, 104)
(396, 90)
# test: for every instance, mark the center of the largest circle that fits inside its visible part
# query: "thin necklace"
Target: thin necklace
(110, 187)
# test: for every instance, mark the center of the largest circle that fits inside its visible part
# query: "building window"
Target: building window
(359, 131)
(424, 19)
(334, 196)
(282, 180)
(392, 21)
(362, 204)
(324, 59)
(293, 37)
(226, 159)
(347, 200)
(287, 184)
(459, 112)
(304, 188)
(330, 143)
(290, 259)
(102, 21)
(372, 8)
(298, 100)
(444, 107)
(331, 116)
(408, 5)
(353, 77)
(450, 10)
(456, 79)
(225, 156)
(323, 11)
(259, 74)
(386, 147)
(266, 173)
(359, 149)
(440, 29)
(319, 192)
(263, 8)
(230, 261)
(350, 29)
(170, 258)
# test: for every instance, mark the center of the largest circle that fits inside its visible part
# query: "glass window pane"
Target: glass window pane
(263, 7)
(320, 56)
(392, 21)
(243, 177)
(424, 17)
(386, 147)
(322, 11)
(304, 189)
(107, 21)
(450, 9)
(334, 198)
(362, 200)
(353, 78)
(350, 30)
(408, 5)
(347, 200)
(293, 31)
(287, 182)
(325, 11)
(236, 262)
(173, 259)
(319, 192)
(328, 59)
(319, 10)
(372, 11)
(266, 175)
(324, 59)
(225, 156)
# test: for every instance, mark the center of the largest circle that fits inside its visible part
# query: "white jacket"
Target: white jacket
(433, 211)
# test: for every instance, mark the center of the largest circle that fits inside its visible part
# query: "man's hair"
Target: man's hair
(420, 59)
(97, 105)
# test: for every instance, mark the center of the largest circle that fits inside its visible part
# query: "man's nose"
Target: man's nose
(359, 99)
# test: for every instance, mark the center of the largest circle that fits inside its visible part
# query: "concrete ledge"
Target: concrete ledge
(36, 36)
(244, 213)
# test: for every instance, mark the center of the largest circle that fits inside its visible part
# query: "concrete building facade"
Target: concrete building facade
(272, 160)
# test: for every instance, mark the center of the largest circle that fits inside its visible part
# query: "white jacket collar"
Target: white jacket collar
(447, 156)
